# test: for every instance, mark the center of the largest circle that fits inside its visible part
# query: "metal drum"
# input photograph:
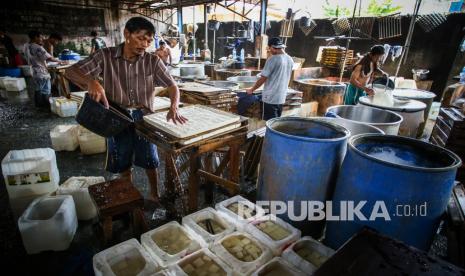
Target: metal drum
(411, 111)
(299, 163)
(424, 96)
(326, 93)
(386, 120)
(409, 180)
(224, 74)
(244, 81)
(354, 127)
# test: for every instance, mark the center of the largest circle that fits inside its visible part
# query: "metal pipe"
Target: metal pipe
(205, 20)
(180, 19)
(193, 31)
(348, 43)
(263, 7)
(404, 54)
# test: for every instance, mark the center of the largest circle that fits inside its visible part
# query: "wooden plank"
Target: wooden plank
(194, 182)
(231, 186)
(234, 162)
(223, 164)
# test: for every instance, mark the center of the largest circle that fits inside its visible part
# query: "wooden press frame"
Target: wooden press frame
(232, 139)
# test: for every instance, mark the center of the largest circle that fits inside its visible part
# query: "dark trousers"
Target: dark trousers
(271, 111)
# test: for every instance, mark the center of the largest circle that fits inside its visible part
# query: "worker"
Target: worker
(129, 76)
(51, 42)
(164, 53)
(14, 58)
(363, 73)
(37, 57)
(96, 42)
(275, 75)
(175, 51)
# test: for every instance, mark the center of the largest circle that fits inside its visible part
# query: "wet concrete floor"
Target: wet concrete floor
(22, 126)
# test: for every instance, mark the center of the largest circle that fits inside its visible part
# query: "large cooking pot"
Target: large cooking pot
(244, 81)
(386, 120)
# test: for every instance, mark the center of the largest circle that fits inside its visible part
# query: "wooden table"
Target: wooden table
(206, 147)
(114, 198)
(63, 84)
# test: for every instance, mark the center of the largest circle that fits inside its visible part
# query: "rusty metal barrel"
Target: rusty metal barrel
(326, 93)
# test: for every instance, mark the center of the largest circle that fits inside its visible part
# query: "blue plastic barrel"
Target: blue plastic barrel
(299, 162)
(411, 178)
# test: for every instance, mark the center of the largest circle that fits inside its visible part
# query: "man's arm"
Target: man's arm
(257, 84)
(169, 54)
(173, 113)
(163, 78)
(85, 73)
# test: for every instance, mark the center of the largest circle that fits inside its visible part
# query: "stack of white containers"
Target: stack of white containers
(14, 84)
(171, 242)
(185, 249)
(279, 267)
(64, 137)
(77, 187)
(201, 221)
(126, 258)
(49, 223)
(29, 174)
(89, 142)
(273, 232)
(63, 107)
(242, 252)
(307, 254)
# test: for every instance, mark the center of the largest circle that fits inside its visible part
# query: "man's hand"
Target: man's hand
(249, 91)
(369, 91)
(97, 93)
(173, 114)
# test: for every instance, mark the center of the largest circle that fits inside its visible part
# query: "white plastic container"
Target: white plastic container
(280, 233)
(279, 267)
(64, 137)
(14, 84)
(65, 107)
(91, 143)
(221, 226)
(171, 242)
(253, 253)
(49, 223)
(202, 263)
(243, 215)
(126, 258)
(30, 172)
(2, 84)
(307, 254)
(77, 187)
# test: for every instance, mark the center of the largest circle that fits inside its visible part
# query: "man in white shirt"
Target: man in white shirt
(275, 75)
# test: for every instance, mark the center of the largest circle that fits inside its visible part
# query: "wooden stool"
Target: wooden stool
(114, 198)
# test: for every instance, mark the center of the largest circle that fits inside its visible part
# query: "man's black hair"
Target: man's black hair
(56, 36)
(34, 34)
(377, 50)
(138, 23)
(162, 42)
(93, 33)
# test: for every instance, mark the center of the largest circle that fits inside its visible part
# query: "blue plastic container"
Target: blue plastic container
(299, 162)
(70, 56)
(412, 178)
(10, 72)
